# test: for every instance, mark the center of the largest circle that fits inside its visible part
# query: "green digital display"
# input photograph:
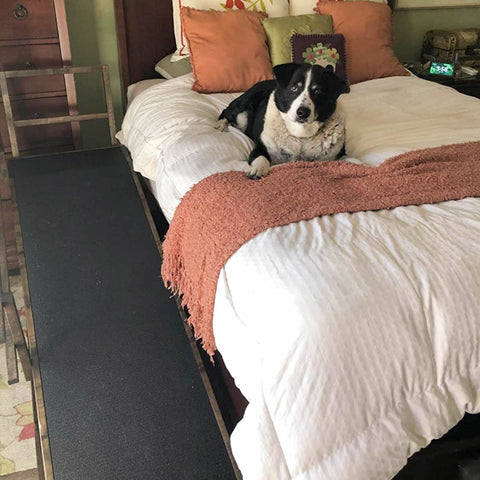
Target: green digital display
(442, 69)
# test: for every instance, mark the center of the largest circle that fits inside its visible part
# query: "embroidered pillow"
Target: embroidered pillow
(368, 31)
(228, 50)
(279, 31)
(273, 8)
(325, 50)
(300, 7)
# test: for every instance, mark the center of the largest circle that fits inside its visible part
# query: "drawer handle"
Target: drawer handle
(30, 65)
(20, 12)
(38, 115)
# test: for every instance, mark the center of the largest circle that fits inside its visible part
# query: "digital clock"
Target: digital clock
(446, 69)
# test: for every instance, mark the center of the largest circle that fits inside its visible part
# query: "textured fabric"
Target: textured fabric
(301, 7)
(209, 226)
(177, 117)
(169, 129)
(323, 50)
(168, 69)
(228, 49)
(367, 28)
(273, 8)
(280, 30)
(137, 88)
(335, 312)
(355, 338)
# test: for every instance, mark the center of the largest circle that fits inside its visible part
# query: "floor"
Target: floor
(18, 457)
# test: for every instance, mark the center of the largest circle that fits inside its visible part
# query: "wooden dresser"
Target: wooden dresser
(33, 34)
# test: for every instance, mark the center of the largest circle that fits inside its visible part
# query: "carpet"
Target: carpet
(17, 428)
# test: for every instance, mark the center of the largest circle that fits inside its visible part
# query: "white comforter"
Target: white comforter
(355, 337)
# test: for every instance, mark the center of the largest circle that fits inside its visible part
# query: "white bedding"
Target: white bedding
(355, 337)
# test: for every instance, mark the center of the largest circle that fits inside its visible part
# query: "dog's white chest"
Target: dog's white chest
(284, 147)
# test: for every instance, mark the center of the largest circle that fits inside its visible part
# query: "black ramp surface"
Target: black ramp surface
(123, 396)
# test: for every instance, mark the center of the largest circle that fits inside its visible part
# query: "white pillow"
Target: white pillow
(302, 7)
(273, 8)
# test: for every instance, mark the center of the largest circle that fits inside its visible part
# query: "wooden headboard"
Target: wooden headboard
(145, 35)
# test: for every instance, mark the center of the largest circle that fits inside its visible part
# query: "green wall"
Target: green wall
(410, 26)
(93, 41)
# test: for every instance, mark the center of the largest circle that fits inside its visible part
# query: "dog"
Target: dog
(290, 118)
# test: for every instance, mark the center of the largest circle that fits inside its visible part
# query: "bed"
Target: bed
(354, 337)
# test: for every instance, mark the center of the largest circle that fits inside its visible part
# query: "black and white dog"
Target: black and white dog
(291, 118)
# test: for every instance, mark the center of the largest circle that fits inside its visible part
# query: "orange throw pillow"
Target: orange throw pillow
(228, 50)
(368, 31)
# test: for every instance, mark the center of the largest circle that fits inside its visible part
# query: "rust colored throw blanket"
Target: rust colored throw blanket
(222, 212)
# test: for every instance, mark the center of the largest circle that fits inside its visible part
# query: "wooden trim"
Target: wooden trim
(147, 27)
(66, 54)
(72, 119)
(8, 113)
(122, 47)
(107, 90)
(62, 27)
(51, 71)
(30, 96)
(43, 148)
(12, 321)
(9, 319)
(11, 355)
(28, 41)
(65, 119)
(208, 387)
(45, 454)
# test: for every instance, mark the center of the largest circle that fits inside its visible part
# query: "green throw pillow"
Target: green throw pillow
(168, 69)
(279, 30)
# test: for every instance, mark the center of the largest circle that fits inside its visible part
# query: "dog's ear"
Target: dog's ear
(284, 72)
(335, 85)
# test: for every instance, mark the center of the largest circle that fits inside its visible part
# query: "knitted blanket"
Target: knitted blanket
(222, 212)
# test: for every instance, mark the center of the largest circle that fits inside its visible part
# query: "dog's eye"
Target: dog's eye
(316, 90)
(296, 86)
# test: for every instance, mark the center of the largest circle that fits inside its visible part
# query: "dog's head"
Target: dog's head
(307, 93)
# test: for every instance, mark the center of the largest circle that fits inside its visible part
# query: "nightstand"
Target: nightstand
(466, 85)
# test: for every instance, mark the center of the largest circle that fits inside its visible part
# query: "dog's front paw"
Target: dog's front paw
(221, 125)
(259, 168)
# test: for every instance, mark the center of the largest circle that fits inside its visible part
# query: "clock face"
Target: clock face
(442, 69)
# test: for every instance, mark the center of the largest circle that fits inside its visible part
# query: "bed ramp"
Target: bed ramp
(116, 377)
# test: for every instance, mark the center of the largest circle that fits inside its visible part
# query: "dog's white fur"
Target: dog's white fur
(288, 140)
(242, 121)
(260, 167)
(303, 100)
(221, 125)
(325, 144)
(300, 130)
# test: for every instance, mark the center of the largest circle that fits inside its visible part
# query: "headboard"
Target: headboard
(145, 35)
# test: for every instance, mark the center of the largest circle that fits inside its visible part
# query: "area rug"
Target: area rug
(17, 428)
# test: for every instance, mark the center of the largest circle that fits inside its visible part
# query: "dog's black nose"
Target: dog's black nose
(303, 113)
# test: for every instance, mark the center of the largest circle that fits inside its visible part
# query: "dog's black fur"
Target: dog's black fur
(316, 105)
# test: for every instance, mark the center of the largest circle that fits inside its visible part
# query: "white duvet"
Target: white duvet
(355, 337)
